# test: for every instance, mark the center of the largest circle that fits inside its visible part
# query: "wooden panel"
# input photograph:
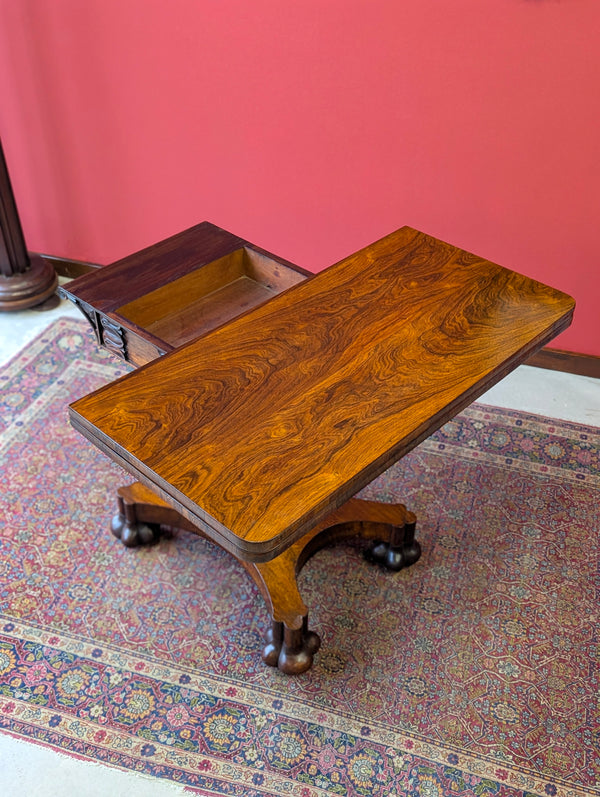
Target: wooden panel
(260, 428)
(140, 351)
(275, 275)
(210, 311)
(174, 296)
(150, 268)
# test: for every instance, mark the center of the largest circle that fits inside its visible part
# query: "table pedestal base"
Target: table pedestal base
(290, 645)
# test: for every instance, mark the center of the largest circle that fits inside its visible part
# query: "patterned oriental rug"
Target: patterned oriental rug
(475, 672)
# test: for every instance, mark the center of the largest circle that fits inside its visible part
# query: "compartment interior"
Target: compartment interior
(185, 308)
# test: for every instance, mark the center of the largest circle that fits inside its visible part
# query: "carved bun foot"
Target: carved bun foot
(384, 554)
(274, 641)
(290, 649)
(134, 534)
(402, 550)
(143, 518)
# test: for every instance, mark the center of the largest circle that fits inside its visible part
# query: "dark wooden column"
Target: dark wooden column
(25, 280)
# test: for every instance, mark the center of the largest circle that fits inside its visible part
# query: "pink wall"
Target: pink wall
(311, 127)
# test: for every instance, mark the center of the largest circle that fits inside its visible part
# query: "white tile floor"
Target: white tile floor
(38, 772)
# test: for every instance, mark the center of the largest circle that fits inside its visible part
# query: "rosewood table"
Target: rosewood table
(258, 434)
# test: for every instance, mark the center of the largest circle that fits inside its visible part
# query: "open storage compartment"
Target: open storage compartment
(170, 293)
(185, 308)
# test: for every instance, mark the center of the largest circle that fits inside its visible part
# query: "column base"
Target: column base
(28, 288)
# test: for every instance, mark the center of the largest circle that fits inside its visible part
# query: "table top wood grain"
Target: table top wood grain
(258, 429)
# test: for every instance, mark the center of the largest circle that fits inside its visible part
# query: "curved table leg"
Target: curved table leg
(290, 645)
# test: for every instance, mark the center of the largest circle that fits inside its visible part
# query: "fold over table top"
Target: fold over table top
(258, 429)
